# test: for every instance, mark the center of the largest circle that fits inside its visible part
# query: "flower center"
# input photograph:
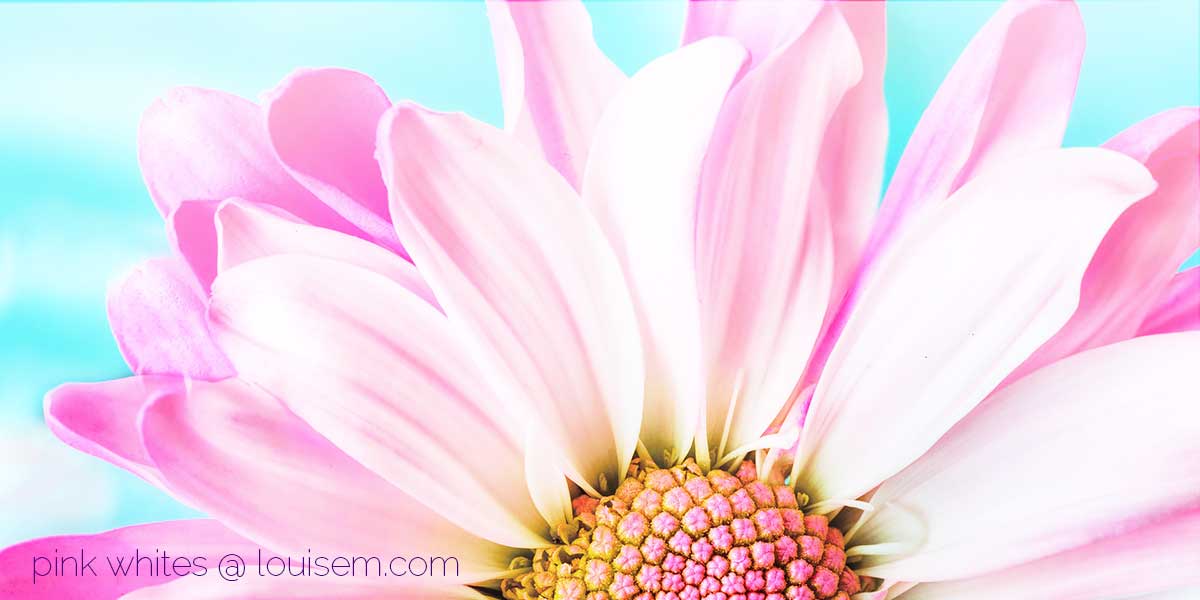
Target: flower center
(680, 534)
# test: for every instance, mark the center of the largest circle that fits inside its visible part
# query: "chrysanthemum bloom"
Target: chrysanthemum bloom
(653, 341)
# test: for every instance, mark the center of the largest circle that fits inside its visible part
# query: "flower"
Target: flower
(652, 342)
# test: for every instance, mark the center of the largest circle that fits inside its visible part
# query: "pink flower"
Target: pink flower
(959, 397)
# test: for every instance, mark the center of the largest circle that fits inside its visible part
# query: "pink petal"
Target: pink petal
(190, 232)
(1010, 92)
(514, 258)
(322, 123)
(1099, 444)
(378, 371)
(1159, 557)
(197, 144)
(236, 453)
(762, 27)
(156, 313)
(764, 256)
(247, 232)
(200, 538)
(851, 163)
(642, 183)
(101, 418)
(1179, 308)
(1134, 265)
(554, 80)
(963, 297)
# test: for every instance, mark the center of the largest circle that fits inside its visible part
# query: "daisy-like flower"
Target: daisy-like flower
(653, 341)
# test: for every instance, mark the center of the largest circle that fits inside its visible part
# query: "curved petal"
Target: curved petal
(641, 183)
(761, 27)
(515, 259)
(193, 539)
(1159, 557)
(1008, 94)
(378, 371)
(554, 80)
(851, 165)
(966, 295)
(246, 232)
(156, 313)
(1098, 444)
(236, 453)
(197, 144)
(321, 124)
(101, 419)
(1179, 308)
(190, 233)
(764, 253)
(1140, 254)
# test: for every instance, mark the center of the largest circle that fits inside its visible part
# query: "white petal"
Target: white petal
(1103, 442)
(974, 287)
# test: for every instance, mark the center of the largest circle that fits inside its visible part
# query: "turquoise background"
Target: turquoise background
(74, 213)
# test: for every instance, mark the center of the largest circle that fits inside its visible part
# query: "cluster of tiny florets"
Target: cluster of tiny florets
(681, 534)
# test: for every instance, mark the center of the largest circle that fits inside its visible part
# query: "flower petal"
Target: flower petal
(378, 371)
(554, 79)
(236, 453)
(851, 164)
(321, 124)
(246, 232)
(1159, 557)
(1179, 308)
(516, 261)
(156, 313)
(764, 256)
(761, 27)
(1137, 259)
(1097, 444)
(641, 183)
(197, 144)
(205, 539)
(1008, 94)
(963, 297)
(101, 418)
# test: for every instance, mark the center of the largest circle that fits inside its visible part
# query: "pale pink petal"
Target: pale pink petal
(764, 252)
(378, 371)
(1098, 444)
(851, 164)
(246, 231)
(267, 587)
(1137, 259)
(101, 418)
(641, 183)
(554, 80)
(322, 123)
(238, 454)
(205, 539)
(1179, 308)
(1008, 94)
(516, 260)
(156, 313)
(970, 290)
(197, 144)
(762, 26)
(1164, 555)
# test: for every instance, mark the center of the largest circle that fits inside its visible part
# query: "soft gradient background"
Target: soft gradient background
(74, 79)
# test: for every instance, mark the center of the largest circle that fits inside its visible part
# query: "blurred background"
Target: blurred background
(74, 79)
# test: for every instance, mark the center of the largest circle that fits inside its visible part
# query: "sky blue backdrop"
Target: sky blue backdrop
(73, 212)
